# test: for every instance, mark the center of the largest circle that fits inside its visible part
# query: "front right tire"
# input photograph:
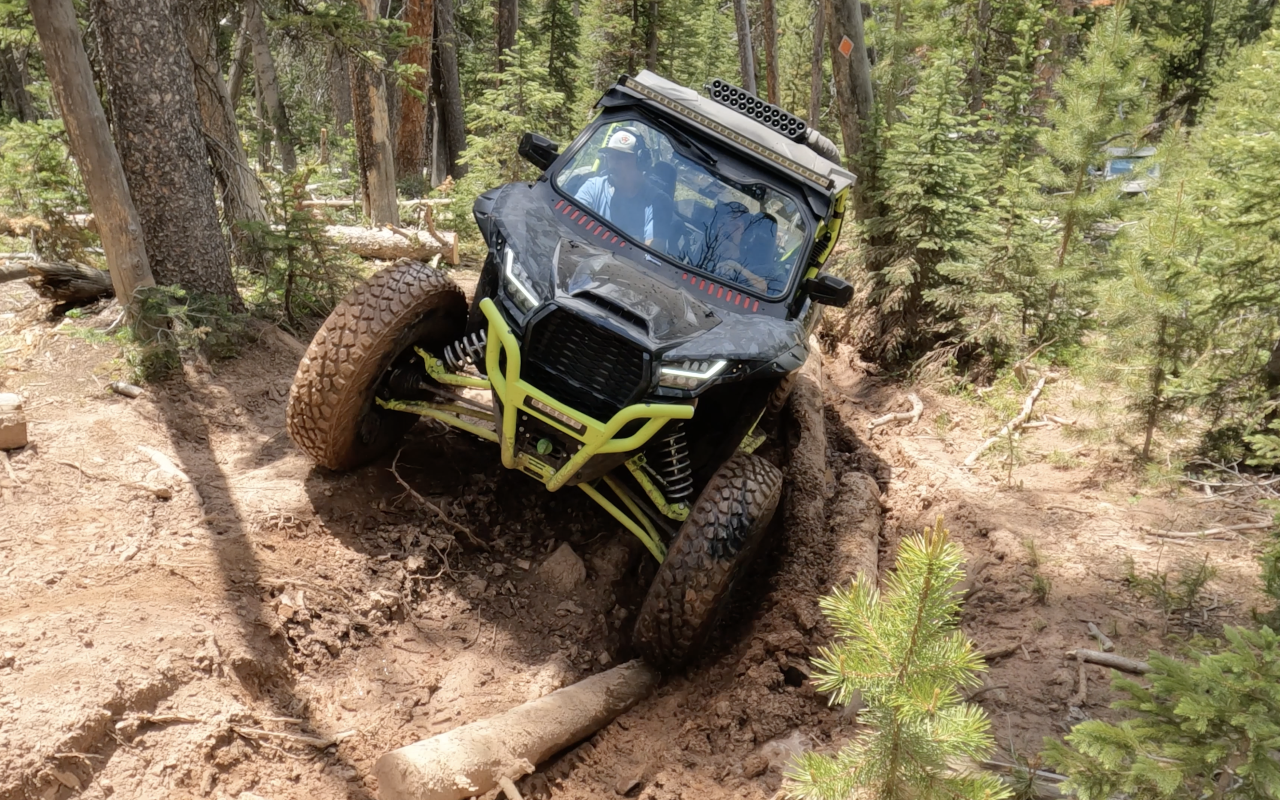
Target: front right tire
(711, 552)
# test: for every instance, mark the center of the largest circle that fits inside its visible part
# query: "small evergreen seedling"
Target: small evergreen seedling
(906, 656)
(1208, 729)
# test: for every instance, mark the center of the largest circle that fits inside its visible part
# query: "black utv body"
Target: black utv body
(640, 311)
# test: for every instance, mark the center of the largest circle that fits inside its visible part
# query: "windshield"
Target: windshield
(629, 174)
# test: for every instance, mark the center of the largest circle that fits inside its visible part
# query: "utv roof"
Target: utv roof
(767, 142)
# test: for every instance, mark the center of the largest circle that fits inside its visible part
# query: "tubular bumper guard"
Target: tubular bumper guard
(516, 397)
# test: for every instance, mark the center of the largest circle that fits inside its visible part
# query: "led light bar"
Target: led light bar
(742, 101)
(688, 113)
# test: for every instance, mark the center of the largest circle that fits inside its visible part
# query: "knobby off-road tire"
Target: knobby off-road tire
(332, 415)
(712, 550)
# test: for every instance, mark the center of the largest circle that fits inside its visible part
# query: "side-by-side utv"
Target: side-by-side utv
(640, 312)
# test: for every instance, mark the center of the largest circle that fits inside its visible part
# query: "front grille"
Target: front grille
(590, 369)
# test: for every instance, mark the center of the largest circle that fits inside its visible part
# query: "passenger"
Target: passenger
(622, 195)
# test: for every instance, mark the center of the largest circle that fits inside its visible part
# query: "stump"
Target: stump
(13, 423)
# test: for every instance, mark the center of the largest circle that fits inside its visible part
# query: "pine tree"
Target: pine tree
(931, 181)
(558, 29)
(1151, 314)
(905, 654)
(1206, 729)
(1100, 103)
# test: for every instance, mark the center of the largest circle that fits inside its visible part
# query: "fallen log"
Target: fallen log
(68, 281)
(390, 244)
(345, 202)
(1111, 660)
(806, 502)
(1012, 425)
(910, 417)
(472, 759)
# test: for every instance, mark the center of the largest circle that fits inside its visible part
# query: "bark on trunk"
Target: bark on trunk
(91, 145)
(815, 66)
(13, 86)
(449, 85)
(746, 58)
(651, 38)
(411, 135)
(389, 245)
(340, 89)
(853, 76)
(373, 137)
(264, 71)
(770, 31)
(161, 147)
(472, 759)
(508, 24)
(237, 183)
(239, 61)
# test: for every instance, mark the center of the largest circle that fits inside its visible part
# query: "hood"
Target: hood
(630, 291)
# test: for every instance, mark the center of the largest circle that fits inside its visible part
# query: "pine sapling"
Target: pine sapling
(1208, 729)
(905, 654)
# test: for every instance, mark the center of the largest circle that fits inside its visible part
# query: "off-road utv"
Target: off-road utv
(641, 310)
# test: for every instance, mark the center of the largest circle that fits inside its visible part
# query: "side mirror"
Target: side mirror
(538, 150)
(829, 290)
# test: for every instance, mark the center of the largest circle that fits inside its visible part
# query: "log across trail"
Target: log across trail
(475, 758)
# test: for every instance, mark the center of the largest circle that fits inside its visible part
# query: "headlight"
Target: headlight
(519, 287)
(689, 374)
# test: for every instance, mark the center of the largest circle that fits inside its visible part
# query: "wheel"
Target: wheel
(711, 551)
(332, 415)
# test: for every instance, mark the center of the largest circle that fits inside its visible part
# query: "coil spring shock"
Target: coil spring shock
(467, 351)
(670, 463)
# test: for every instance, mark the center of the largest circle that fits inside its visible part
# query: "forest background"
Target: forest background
(990, 230)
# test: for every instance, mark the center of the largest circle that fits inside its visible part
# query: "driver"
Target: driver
(621, 194)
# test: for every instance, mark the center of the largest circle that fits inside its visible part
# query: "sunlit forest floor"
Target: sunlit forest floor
(269, 629)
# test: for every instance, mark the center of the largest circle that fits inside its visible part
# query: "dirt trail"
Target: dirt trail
(270, 633)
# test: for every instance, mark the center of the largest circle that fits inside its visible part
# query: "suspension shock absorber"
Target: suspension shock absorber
(467, 351)
(670, 464)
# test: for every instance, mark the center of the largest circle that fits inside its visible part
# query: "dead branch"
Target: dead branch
(126, 389)
(910, 417)
(428, 504)
(1223, 532)
(166, 465)
(258, 734)
(1105, 643)
(68, 281)
(1082, 684)
(509, 789)
(8, 467)
(997, 653)
(395, 243)
(1012, 425)
(1110, 660)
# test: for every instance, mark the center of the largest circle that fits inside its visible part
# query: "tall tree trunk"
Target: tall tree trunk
(449, 85)
(411, 135)
(508, 24)
(770, 31)
(651, 38)
(746, 58)
(373, 137)
(161, 147)
(340, 88)
(852, 70)
(239, 61)
(815, 66)
(119, 226)
(241, 201)
(264, 70)
(13, 86)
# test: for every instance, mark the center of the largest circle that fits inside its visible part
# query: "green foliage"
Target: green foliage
(514, 102)
(39, 184)
(905, 655)
(172, 325)
(306, 274)
(1204, 729)
(1174, 590)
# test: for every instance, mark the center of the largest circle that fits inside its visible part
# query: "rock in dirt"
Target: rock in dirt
(1005, 545)
(13, 423)
(563, 570)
